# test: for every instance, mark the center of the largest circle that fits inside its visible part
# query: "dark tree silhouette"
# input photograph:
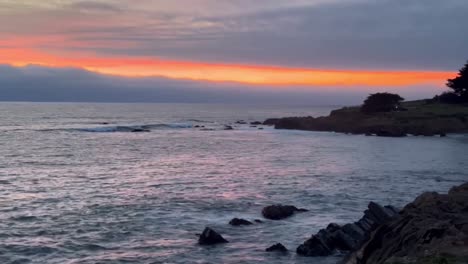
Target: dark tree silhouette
(459, 84)
(381, 102)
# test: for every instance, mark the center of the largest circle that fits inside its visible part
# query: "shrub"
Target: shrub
(381, 102)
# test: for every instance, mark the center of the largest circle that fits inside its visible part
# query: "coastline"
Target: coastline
(419, 118)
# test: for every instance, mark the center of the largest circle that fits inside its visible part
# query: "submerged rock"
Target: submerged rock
(226, 127)
(278, 211)
(239, 222)
(277, 247)
(256, 123)
(211, 237)
(139, 130)
(258, 221)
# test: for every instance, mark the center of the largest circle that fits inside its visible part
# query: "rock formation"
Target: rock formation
(347, 237)
(239, 222)
(278, 211)
(277, 247)
(211, 237)
(432, 229)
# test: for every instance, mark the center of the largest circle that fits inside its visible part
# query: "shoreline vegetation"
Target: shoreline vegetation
(419, 118)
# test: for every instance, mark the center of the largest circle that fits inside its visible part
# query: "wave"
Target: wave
(133, 128)
(122, 128)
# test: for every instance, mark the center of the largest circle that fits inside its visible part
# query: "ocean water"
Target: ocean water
(76, 186)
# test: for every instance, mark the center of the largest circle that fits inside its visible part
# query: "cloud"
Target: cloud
(351, 34)
(37, 83)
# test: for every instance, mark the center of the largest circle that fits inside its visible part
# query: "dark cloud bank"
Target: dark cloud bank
(43, 84)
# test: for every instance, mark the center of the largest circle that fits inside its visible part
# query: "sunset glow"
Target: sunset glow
(213, 72)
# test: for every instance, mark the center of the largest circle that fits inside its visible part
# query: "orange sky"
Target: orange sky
(246, 74)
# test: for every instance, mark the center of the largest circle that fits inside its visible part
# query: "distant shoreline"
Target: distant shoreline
(419, 118)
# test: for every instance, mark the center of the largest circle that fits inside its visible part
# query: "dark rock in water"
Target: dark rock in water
(271, 121)
(442, 135)
(381, 213)
(431, 229)
(211, 237)
(393, 209)
(343, 241)
(241, 122)
(314, 247)
(277, 247)
(260, 128)
(332, 227)
(140, 130)
(197, 126)
(278, 212)
(354, 231)
(226, 127)
(239, 222)
(347, 237)
(258, 221)
(256, 123)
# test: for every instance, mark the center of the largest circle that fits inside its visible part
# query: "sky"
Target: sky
(221, 50)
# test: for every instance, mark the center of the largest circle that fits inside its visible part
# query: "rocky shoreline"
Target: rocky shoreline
(419, 118)
(432, 229)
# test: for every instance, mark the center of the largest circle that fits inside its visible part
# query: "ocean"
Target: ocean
(78, 186)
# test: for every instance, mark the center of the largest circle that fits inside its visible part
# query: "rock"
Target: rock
(211, 237)
(256, 123)
(314, 247)
(140, 130)
(260, 128)
(239, 222)
(349, 236)
(226, 127)
(258, 221)
(277, 247)
(354, 231)
(271, 121)
(381, 213)
(278, 212)
(431, 227)
(344, 242)
(332, 227)
(241, 122)
(393, 209)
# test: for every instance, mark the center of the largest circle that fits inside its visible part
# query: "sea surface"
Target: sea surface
(77, 186)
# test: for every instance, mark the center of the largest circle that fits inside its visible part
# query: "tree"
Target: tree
(381, 102)
(459, 84)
